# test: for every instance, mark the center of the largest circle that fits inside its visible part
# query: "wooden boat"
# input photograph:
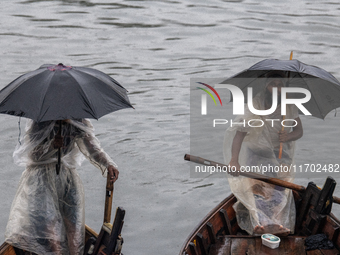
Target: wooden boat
(218, 233)
(107, 242)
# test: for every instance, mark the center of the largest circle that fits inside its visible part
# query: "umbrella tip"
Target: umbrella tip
(60, 67)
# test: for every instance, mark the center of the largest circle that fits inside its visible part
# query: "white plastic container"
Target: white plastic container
(270, 241)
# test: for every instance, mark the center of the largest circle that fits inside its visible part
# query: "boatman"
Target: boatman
(47, 214)
(261, 207)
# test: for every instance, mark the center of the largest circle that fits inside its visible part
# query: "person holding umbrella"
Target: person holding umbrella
(47, 214)
(262, 207)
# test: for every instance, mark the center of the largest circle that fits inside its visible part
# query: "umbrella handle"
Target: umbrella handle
(59, 150)
(281, 144)
(283, 117)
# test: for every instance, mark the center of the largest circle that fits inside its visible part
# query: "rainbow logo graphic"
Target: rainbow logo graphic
(204, 97)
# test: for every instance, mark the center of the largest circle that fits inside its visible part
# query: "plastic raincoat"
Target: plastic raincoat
(47, 214)
(261, 204)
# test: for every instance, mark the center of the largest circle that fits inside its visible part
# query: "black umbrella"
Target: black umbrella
(58, 92)
(324, 87)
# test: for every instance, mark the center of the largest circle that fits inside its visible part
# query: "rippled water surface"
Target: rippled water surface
(153, 48)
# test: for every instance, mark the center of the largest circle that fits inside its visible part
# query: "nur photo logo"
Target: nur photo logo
(279, 98)
(204, 97)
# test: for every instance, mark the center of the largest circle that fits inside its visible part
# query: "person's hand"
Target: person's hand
(234, 165)
(283, 136)
(113, 173)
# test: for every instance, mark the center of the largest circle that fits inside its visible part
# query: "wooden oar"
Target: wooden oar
(256, 176)
(336, 200)
(108, 200)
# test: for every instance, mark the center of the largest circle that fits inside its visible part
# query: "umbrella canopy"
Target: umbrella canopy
(324, 87)
(57, 92)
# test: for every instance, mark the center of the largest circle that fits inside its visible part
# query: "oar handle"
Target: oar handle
(108, 200)
(256, 176)
(336, 200)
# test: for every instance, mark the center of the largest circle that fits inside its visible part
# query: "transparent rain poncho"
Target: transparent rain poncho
(259, 203)
(47, 214)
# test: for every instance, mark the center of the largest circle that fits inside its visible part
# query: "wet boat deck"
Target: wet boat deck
(250, 245)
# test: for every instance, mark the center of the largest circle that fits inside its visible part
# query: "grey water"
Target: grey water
(153, 48)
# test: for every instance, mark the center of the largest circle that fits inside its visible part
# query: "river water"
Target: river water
(153, 48)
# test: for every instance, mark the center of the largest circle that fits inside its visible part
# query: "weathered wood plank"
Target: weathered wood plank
(241, 245)
(201, 244)
(192, 249)
(211, 233)
(7, 249)
(294, 245)
(226, 221)
(314, 252)
(222, 247)
(331, 229)
(330, 252)
(258, 244)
